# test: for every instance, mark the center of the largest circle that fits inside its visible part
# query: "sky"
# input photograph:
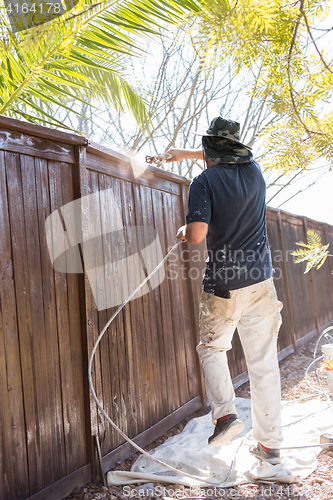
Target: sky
(316, 202)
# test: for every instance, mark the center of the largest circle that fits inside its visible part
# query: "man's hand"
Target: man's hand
(181, 234)
(194, 232)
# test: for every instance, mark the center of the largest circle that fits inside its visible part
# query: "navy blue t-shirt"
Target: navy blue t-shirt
(230, 198)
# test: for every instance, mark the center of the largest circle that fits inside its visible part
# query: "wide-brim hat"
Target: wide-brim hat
(226, 129)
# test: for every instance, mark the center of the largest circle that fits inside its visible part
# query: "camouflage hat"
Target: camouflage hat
(228, 129)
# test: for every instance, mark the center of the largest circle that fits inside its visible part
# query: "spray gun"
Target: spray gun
(158, 159)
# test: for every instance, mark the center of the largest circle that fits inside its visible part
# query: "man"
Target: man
(227, 206)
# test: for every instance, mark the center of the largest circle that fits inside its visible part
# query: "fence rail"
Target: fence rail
(146, 371)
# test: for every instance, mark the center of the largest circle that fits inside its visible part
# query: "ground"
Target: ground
(318, 486)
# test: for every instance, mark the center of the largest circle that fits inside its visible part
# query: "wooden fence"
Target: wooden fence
(146, 372)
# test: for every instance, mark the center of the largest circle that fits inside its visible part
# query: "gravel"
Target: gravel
(317, 486)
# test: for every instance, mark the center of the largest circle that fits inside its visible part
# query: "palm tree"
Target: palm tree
(79, 56)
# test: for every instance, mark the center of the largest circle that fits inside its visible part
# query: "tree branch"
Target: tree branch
(311, 36)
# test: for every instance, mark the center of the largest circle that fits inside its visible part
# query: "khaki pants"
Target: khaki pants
(255, 311)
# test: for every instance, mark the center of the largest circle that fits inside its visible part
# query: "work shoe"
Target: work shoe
(270, 455)
(225, 430)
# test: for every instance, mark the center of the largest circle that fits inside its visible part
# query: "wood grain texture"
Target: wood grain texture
(28, 128)
(92, 313)
(137, 322)
(35, 146)
(56, 443)
(172, 388)
(25, 328)
(38, 340)
(124, 171)
(13, 451)
(157, 354)
(72, 376)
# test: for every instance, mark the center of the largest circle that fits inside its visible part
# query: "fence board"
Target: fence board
(143, 197)
(108, 350)
(57, 445)
(149, 333)
(193, 258)
(111, 167)
(74, 406)
(92, 313)
(126, 356)
(281, 281)
(71, 389)
(35, 146)
(20, 264)
(13, 457)
(177, 320)
(173, 389)
(135, 305)
(34, 130)
(38, 343)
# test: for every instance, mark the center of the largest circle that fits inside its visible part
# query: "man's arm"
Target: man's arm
(184, 154)
(194, 232)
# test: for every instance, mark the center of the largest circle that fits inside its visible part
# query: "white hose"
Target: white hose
(213, 481)
(203, 480)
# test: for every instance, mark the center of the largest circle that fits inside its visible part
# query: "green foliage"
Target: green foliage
(79, 57)
(279, 41)
(313, 251)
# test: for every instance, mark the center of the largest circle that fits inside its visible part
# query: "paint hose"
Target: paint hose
(130, 441)
(210, 481)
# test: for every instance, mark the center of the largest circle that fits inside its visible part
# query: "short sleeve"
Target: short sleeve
(199, 202)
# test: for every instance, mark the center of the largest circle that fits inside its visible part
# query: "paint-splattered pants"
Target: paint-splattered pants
(255, 311)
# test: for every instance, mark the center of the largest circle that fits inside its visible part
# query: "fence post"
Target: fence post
(313, 293)
(194, 299)
(80, 189)
(286, 281)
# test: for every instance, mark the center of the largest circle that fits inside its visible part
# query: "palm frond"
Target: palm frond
(80, 56)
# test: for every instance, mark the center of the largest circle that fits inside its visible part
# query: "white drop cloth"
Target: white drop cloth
(190, 453)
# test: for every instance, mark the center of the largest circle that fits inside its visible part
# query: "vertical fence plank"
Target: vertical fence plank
(74, 407)
(38, 341)
(79, 170)
(22, 291)
(286, 282)
(170, 359)
(57, 442)
(137, 320)
(60, 194)
(149, 320)
(108, 353)
(124, 323)
(175, 301)
(13, 454)
(158, 364)
(97, 421)
(193, 290)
